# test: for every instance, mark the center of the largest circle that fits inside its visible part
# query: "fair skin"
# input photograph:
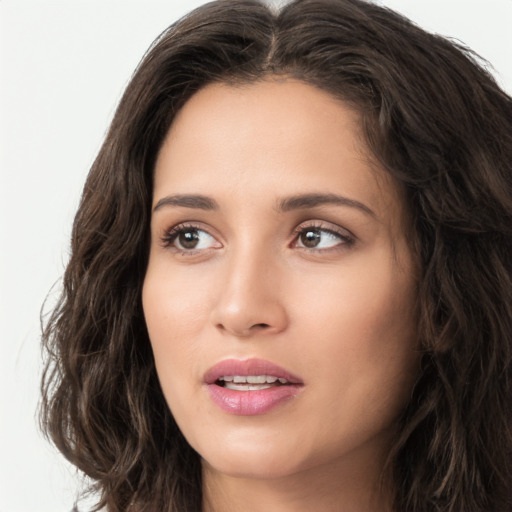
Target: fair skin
(320, 286)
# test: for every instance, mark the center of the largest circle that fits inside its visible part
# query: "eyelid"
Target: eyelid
(346, 237)
(170, 235)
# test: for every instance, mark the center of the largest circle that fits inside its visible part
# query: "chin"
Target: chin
(253, 467)
(258, 459)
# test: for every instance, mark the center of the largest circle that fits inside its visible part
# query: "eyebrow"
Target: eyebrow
(187, 201)
(303, 201)
(298, 202)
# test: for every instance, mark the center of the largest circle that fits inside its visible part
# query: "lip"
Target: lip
(250, 403)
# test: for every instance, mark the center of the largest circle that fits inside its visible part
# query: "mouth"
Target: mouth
(250, 387)
(250, 382)
(245, 373)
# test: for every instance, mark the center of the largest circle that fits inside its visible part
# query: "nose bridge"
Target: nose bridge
(249, 300)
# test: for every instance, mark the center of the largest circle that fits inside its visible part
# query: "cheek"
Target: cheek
(174, 312)
(362, 330)
(362, 340)
(175, 304)
(370, 298)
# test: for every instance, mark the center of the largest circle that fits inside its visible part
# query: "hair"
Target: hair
(434, 119)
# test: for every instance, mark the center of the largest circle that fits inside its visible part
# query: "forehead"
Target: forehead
(274, 137)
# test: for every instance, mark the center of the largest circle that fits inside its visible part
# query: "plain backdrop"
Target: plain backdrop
(63, 67)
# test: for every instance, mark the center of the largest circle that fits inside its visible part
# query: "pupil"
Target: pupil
(189, 239)
(310, 238)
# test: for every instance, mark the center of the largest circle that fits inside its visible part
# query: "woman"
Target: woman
(290, 281)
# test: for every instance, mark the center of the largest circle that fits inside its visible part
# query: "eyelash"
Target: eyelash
(346, 238)
(172, 234)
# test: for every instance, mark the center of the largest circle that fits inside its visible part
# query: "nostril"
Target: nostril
(244, 333)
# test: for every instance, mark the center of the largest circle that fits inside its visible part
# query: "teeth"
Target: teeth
(247, 387)
(256, 379)
(252, 379)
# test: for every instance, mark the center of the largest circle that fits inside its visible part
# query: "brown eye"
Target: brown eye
(188, 239)
(318, 238)
(310, 238)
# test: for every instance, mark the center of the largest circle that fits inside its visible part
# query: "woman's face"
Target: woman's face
(278, 251)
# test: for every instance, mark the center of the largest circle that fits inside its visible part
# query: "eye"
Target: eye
(189, 238)
(321, 238)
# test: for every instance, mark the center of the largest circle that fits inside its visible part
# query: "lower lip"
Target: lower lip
(251, 403)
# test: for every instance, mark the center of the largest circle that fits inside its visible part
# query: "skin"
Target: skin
(340, 315)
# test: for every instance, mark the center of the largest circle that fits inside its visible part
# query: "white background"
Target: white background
(63, 67)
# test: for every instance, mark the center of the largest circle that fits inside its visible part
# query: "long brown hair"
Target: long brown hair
(435, 119)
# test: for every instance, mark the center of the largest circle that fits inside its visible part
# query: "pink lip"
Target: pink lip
(250, 403)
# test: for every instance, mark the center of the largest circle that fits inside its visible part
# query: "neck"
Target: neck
(333, 487)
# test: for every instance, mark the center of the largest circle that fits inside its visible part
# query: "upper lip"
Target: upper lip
(245, 367)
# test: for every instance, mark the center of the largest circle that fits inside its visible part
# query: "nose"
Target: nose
(249, 300)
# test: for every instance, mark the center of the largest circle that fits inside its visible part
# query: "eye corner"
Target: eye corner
(189, 239)
(323, 237)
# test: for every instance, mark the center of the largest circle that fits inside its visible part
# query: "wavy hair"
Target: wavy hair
(434, 118)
